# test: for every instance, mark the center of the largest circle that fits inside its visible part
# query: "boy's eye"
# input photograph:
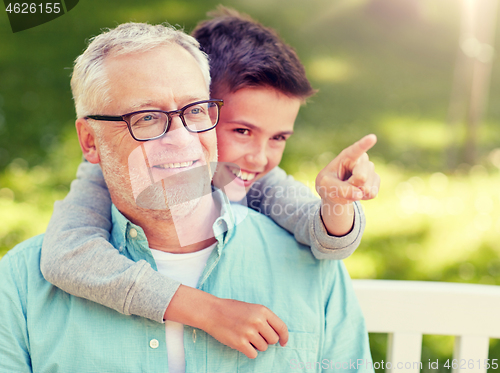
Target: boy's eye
(242, 131)
(279, 138)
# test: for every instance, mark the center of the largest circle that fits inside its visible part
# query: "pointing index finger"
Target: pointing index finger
(360, 147)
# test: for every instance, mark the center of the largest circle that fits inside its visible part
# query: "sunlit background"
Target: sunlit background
(421, 74)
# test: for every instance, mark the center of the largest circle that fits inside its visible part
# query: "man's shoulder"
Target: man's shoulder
(256, 227)
(30, 245)
(27, 251)
(245, 215)
(259, 240)
(20, 269)
(266, 234)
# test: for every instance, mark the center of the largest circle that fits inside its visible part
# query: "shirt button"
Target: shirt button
(132, 232)
(154, 343)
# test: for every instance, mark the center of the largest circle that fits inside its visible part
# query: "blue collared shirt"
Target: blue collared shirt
(44, 329)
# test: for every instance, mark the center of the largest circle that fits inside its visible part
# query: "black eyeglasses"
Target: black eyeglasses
(144, 125)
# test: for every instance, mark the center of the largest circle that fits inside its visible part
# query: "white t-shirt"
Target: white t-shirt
(187, 269)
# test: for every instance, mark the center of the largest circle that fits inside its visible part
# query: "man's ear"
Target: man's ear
(87, 139)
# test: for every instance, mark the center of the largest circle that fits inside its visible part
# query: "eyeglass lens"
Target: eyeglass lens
(197, 117)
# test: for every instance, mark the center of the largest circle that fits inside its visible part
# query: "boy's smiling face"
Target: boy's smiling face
(252, 131)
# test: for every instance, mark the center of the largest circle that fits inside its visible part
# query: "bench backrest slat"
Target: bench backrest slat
(406, 310)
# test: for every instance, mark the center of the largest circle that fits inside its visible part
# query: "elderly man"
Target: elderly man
(144, 113)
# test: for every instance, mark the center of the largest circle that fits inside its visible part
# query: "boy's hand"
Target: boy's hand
(245, 327)
(350, 176)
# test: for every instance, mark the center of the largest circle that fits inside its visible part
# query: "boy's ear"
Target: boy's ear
(87, 139)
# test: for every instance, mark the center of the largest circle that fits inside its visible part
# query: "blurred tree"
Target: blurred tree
(472, 76)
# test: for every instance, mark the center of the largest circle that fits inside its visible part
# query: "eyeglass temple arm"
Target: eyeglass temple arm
(105, 118)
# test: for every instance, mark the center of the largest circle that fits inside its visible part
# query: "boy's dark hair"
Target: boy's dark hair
(243, 53)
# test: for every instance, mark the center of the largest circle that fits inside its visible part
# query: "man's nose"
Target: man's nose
(177, 134)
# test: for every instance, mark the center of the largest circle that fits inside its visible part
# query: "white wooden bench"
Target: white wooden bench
(406, 310)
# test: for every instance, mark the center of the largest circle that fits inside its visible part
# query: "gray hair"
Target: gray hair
(89, 80)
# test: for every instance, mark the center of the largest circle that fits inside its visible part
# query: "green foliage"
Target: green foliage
(28, 194)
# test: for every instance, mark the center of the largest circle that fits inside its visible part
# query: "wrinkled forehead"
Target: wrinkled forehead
(170, 57)
(165, 78)
(174, 58)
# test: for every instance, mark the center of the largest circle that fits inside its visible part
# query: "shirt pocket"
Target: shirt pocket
(301, 350)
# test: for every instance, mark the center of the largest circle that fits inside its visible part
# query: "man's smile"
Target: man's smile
(175, 165)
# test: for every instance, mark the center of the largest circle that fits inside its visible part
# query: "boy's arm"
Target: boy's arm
(334, 226)
(294, 207)
(77, 257)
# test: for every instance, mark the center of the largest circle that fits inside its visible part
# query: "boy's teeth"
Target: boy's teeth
(175, 165)
(245, 176)
(235, 172)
